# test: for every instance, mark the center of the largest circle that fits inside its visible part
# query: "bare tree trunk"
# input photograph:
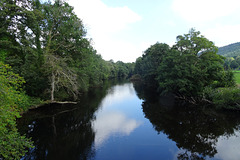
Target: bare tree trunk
(52, 87)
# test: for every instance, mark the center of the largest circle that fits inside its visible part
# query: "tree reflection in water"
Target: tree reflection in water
(60, 134)
(195, 129)
(64, 131)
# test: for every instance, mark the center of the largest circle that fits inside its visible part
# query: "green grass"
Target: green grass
(237, 76)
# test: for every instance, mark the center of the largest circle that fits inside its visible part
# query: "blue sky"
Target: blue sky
(123, 29)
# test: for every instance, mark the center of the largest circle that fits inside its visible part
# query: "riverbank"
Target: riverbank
(50, 102)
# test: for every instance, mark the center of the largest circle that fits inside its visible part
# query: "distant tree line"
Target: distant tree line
(232, 54)
(232, 50)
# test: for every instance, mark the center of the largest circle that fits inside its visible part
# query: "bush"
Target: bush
(13, 101)
(227, 98)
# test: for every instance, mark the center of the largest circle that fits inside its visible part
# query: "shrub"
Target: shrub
(227, 98)
(13, 100)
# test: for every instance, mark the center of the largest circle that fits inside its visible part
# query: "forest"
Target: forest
(45, 57)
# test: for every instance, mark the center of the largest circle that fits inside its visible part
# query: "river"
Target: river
(122, 121)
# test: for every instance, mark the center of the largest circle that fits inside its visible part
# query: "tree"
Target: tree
(62, 34)
(234, 64)
(194, 43)
(152, 58)
(60, 75)
(20, 44)
(190, 66)
(13, 100)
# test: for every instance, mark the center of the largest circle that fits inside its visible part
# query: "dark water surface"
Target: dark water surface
(122, 121)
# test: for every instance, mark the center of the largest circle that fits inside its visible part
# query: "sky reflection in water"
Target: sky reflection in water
(122, 131)
(111, 119)
(228, 147)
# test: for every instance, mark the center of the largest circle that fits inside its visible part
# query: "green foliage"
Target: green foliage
(186, 68)
(178, 74)
(192, 65)
(227, 98)
(231, 52)
(45, 43)
(13, 100)
(147, 65)
(232, 63)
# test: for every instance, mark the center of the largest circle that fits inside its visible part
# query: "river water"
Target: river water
(122, 121)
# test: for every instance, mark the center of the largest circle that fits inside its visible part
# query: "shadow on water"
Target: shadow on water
(195, 129)
(64, 131)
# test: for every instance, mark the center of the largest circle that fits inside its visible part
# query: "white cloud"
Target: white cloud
(204, 10)
(101, 18)
(112, 123)
(228, 147)
(223, 34)
(216, 19)
(102, 23)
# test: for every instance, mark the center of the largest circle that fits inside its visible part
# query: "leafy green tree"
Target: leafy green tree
(190, 66)
(13, 100)
(234, 64)
(227, 62)
(151, 60)
(62, 33)
(20, 41)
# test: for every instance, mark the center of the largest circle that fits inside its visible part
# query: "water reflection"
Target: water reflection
(228, 147)
(111, 123)
(60, 134)
(64, 131)
(74, 131)
(198, 131)
(117, 94)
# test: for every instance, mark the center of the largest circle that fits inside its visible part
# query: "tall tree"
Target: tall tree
(63, 33)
